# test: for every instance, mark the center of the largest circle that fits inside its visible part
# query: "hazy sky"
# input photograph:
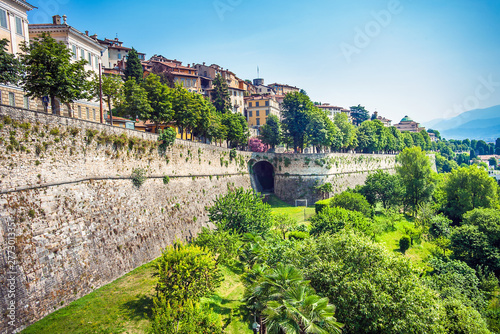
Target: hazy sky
(422, 58)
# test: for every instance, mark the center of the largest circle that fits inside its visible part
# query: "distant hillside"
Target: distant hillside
(474, 124)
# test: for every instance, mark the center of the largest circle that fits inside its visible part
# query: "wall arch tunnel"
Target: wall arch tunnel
(262, 174)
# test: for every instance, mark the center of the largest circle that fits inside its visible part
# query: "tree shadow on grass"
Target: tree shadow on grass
(139, 308)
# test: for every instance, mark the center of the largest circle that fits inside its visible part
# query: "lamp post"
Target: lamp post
(100, 90)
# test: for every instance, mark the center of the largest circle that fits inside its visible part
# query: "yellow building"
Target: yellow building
(258, 108)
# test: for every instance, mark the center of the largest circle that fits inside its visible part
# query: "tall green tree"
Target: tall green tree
(347, 130)
(383, 187)
(160, 99)
(10, 66)
(270, 133)
(359, 114)
(133, 67)
(135, 103)
(468, 188)
(220, 95)
(186, 113)
(111, 90)
(316, 129)
(416, 176)
(237, 129)
(296, 109)
(50, 72)
(366, 134)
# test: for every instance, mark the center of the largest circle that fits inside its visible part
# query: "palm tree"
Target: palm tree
(301, 311)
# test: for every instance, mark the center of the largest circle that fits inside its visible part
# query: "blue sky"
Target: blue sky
(426, 59)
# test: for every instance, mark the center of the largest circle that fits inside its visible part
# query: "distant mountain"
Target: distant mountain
(474, 124)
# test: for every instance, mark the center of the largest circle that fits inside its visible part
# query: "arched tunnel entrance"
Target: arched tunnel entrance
(263, 177)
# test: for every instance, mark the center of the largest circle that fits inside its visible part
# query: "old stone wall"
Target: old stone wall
(71, 219)
(297, 175)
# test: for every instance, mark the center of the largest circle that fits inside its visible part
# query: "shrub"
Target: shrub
(440, 227)
(138, 177)
(352, 201)
(404, 243)
(332, 220)
(297, 235)
(232, 154)
(172, 317)
(54, 131)
(166, 179)
(242, 211)
(187, 273)
(223, 244)
(167, 137)
(321, 205)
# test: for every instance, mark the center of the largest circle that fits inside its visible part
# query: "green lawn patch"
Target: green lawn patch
(300, 214)
(122, 306)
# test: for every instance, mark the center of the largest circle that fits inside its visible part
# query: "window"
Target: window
(267, 112)
(258, 121)
(250, 113)
(26, 101)
(12, 100)
(82, 54)
(3, 19)
(249, 104)
(79, 112)
(88, 113)
(256, 104)
(74, 51)
(90, 59)
(267, 103)
(257, 113)
(93, 111)
(182, 82)
(119, 56)
(19, 26)
(96, 61)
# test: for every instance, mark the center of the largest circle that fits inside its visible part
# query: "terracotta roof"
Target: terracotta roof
(119, 119)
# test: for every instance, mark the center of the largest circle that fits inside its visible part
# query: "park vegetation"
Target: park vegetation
(333, 275)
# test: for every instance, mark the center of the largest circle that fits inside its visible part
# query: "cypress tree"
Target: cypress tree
(220, 95)
(134, 67)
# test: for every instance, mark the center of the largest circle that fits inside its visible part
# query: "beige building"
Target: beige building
(407, 124)
(83, 47)
(115, 57)
(332, 110)
(387, 122)
(186, 76)
(14, 23)
(237, 87)
(281, 89)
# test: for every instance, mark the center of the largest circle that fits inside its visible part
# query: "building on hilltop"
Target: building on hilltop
(14, 28)
(237, 87)
(174, 72)
(83, 47)
(409, 125)
(282, 89)
(331, 111)
(387, 122)
(114, 60)
(262, 89)
(259, 107)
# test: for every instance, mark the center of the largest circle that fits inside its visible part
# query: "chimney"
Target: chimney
(203, 63)
(56, 19)
(86, 32)
(64, 19)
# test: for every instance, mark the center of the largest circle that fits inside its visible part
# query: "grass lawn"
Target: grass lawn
(300, 214)
(390, 239)
(119, 307)
(124, 306)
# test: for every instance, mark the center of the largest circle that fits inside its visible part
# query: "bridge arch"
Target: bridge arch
(262, 174)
